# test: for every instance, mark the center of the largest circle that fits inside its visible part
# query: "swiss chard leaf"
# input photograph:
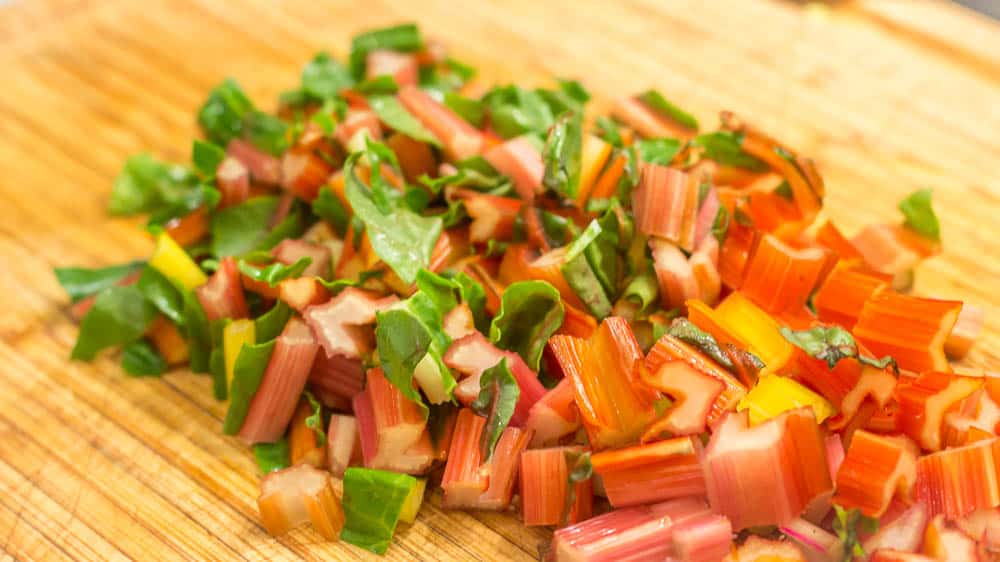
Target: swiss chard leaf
(330, 208)
(324, 78)
(515, 111)
(720, 226)
(920, 216)
(831, 344)
(373, 501)
(498, 394)
(403, 239)
(276, 272)
(146, 184)
(267, 132)
(120, 315)
(206, 157)
(661, 105)
(79, 283)
(404, 38)
(272, 456)
(140, 359)
(378, 85)
(562, 155)
(198, 332)
(159, 291)
(315, 420)
(608, 130)
(391, 112)
(474, 295)
(248, 372)
(658, 151)
(846, 524)
(725, 148)
(684, 330)
(473, 111)
(269, 325)
(530, 312)
(222, 116)
(644, 291)
(402, 341)
(241, 228)
(591, 265)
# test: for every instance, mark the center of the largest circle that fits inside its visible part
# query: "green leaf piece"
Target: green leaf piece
(248, 372)
(920, 216)
(272, 456)
(80, 283)
(498, 395)
(140, 359)
(119, 315)
(530, 312)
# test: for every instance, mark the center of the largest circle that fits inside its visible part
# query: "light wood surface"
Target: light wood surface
(889, 96)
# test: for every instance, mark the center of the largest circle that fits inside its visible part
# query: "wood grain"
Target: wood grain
(889, 96)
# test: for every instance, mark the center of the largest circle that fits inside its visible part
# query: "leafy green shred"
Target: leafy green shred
(276, 272)
(391, 112)
(498, 395)
(120, 315)
(530, 312)
(223, 114)
(272, 456)
(403, 38)
(373, 501)
(725, 148)
(80, 283)
(248, 373)
(920, 216)
(661, 105)
(658, 151)
(146, 184)
(140, 359)
(562, 156)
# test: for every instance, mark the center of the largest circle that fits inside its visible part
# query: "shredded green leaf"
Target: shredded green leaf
(393, 114)
(725, 148)
(80, 283)
(404, 38)
(146, 184)
(498, 395)
(658, 151)
(162, 294)
(207, 157)
(140, 359)
(562, 154)
(373, 501)
(530, 312)
(920, 216)
(223, 114)
(272, 456)
(275, 272)
(831, 344)
(248, 373)
(120, 315)
(315, 421)
(661, 105)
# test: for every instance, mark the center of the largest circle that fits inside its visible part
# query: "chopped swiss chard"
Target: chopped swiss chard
(920, 215)
(530, 312)
(272, 456)
(373, 502)
(120, 315)
(223, 114)
(393, 114)
(404, 38)
(562, 155)
(498, 395)
(140, 359)
(80, 283)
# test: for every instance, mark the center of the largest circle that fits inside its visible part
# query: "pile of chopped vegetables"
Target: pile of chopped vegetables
(641, 335)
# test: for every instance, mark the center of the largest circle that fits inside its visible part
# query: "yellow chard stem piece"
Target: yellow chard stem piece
(175, 264)
(775, 394)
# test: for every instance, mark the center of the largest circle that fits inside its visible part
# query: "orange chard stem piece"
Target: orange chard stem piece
(342, 324)
(670, 349)
(607, 183)
(650, 473)
(544, 482)
(503, 468)
(959, 480)
(303, 443)
(702, 315)
(302, 292)
(593, 155)
(772, 213)
(876, 468)
(415, 158)
(703, 538)
(780, 278)
(461, 140)
(891, 249)
(343, 444)
(297, 495)
(614, 410)
(924, 401)
(577, 322)
(694, 394)
(273, 406)
(463, 481)
(674, 274)
(910, 329)
(168, 341)
(807, 187)
(767, 474)
(188, 229)
(734, 253)
(554, 416)
(519, 160)
(829, 236)
(844, 294)
(520, 263)
(665, 204)
(967, 328)
(493, 217)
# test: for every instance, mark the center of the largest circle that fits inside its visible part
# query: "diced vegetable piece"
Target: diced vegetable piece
(694, 394)
(757, 549)
(668, 349)
(705, 538)
(883, 250)
(300, 494)
(757, 328)
(905, 533)
(290, 251)
(546, 488)
(593, 155)
(222, 296)
(959, 480)
(614, 410)
(634, 533)
(518, 159)
(924, 401)
(521, 263)
(374, 501)
(303, 172)
(493, 217)
(666, 204)
(766, 475)
(503, 469)
(818, 544)
(402, 67)
(460, 139)
(284, 379)
(607, 183)
(967, 328)
(342, 443)
(233, 179)
(389, 423)
(235, 335)
(358, 122)
(651, 473)
(640, 117)
(463, 481)
(341, 325)
(912, 330)
(674, 273)
(875, 468)
(473, 354)
(554, 416)
(168, 341)
(840, 300)
(175, 264)
(943, 542)
(774, 395)
(337, 379)
(304, 443)
(411, 507)
(705, 267)
(302, 292)
(263, 167)
(780, 278)
(459, 322)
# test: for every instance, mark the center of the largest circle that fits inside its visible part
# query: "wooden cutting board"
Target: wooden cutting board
(889, 96)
